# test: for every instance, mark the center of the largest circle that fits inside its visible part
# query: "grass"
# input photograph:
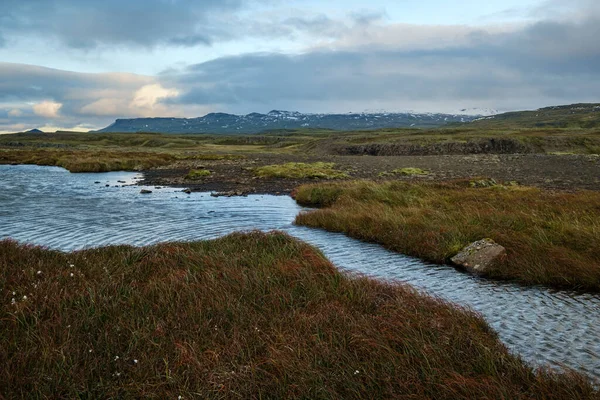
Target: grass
(215, 157)
(247, 316)
(298, 170)
(551, 238)
(409, 171)
(195, 174)
(87, 161)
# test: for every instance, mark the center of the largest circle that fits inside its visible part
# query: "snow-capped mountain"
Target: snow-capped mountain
(479, 112)
(278, 119)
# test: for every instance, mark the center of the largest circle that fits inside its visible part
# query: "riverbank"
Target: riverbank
(551, 238)
(248, 315)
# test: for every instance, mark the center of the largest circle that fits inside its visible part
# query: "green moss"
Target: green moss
(318, 170)
(195, 174)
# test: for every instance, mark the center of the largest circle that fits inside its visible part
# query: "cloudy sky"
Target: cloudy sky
(80, 64)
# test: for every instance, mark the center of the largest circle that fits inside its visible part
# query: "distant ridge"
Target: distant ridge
(222, 123)
(34, 131)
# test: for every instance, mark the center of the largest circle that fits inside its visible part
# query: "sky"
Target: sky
(81, 64)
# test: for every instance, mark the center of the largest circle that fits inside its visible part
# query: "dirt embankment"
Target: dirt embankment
(483, 146)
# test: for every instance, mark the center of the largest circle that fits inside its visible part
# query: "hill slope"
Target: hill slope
(568, 116)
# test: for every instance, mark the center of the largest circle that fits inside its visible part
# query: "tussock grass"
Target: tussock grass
(409, 171)
(246, 316)
(196, 174)
(298, 170)
(551, 238)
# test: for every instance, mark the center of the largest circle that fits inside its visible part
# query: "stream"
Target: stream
(51, 207)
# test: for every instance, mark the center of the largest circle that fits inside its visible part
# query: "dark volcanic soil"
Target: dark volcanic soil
(559, 172)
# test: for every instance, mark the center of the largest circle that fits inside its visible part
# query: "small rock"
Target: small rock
(107, 185)
(97, 182)
(187, 191)
(121, 182)
(479, 256)
(145, 191)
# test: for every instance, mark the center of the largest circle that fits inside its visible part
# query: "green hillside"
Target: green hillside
(570, 116)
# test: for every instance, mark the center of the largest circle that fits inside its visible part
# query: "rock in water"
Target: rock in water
(479, 256)
(145, 191)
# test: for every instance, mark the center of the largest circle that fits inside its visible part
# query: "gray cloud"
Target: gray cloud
(90, 23)
(556, 61)
(546, 63)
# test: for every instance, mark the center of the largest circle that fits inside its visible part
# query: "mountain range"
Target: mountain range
(222, 123)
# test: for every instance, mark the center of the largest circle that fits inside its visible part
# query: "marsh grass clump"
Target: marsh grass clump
(196, 174)
(298, 170)
(247, 316)
(551, 238)
(409, 171)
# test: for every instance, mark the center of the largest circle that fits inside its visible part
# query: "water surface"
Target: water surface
(52, 207)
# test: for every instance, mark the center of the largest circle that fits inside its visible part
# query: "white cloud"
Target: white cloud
(144, 101)
(11, 128)
(15, 112)
(48, 109)
(54, 128)
(148, 96)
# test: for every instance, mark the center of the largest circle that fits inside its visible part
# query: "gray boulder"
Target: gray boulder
(479, 256)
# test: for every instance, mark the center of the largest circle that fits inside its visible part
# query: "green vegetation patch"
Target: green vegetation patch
(294, 170)
(410, 171)
(196, 174)
(214, 157)
(490, 182)
(551, 238)
(247, 316)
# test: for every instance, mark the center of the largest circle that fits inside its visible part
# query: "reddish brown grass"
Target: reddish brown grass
(551, 238)
(247, 316)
